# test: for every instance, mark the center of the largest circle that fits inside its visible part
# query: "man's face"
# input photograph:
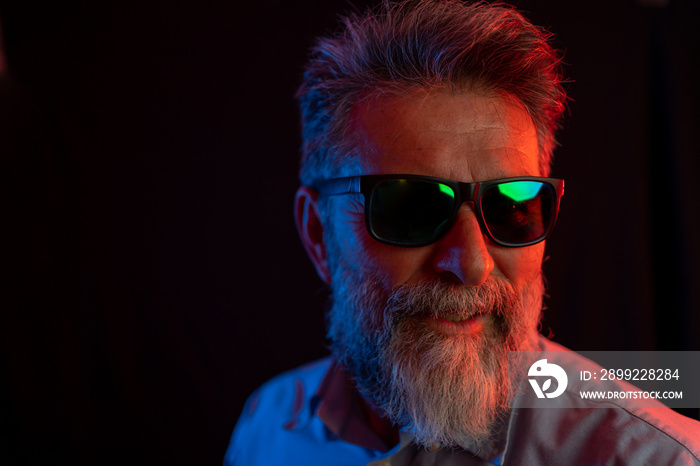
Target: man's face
(426, 331)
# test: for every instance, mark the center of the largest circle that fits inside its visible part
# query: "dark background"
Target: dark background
(151, 272)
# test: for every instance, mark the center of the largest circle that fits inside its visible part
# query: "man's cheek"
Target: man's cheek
(520, 266)
(352, 237)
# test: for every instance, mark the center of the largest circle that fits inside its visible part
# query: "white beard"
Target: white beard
(451, 390)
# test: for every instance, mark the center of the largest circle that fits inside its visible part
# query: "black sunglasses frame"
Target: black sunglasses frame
(464, 192)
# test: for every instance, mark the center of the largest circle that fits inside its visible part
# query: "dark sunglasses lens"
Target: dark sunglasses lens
(518, 212)
(410, 212)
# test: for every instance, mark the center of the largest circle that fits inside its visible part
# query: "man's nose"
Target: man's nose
(462, 253)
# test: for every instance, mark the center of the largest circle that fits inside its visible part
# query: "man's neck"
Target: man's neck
(380, 425)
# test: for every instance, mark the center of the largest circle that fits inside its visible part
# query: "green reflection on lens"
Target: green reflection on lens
(447, 190)
(520, 191)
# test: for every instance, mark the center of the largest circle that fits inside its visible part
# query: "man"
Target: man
(428, 132)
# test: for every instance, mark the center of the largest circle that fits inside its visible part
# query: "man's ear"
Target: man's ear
(308, 220)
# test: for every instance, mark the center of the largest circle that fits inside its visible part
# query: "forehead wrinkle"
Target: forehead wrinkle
(412, 130)
(515, 126)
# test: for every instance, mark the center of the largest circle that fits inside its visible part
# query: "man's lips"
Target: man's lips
(454, 318)
(454, 324)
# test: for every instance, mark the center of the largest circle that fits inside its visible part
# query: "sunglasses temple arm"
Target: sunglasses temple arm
(340, 185)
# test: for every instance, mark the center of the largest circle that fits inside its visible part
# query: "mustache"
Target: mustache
(441, 298)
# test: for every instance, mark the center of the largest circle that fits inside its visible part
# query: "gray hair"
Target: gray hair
(428, 44)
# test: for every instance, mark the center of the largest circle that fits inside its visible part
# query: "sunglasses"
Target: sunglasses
(414, 210)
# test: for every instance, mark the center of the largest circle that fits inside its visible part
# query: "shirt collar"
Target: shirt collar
(340, 410)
